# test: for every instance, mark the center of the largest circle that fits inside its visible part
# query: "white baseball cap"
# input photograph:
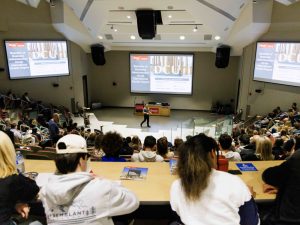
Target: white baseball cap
(71, 143)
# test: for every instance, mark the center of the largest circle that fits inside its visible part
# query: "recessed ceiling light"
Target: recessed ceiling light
(195, 29)
(128, 17)
(100, 37)
(217, 37)
(115, 30)
(182, 37)
(132, 37)
(170, 16)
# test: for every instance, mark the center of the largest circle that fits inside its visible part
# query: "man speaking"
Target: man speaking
(146, 113)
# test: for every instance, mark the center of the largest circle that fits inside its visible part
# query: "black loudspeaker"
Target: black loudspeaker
(146, 23)
(98, 54)
(222, 56)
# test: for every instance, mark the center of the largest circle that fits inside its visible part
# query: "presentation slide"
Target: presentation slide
(161, 73)
(32, 59)
(278, 62)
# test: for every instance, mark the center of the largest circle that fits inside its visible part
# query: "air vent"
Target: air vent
(109, 37)
(207, 37)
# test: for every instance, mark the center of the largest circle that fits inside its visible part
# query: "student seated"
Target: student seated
(76, 196)
(202, 195)
(264, 148)
(14, 187)
(162, 148)
(112, 145)
(225, 144)
(285, 181)
(149, 152)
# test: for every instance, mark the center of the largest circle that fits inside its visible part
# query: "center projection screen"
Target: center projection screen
(161, 73)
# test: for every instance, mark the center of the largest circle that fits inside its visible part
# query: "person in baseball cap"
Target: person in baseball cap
(76, 196)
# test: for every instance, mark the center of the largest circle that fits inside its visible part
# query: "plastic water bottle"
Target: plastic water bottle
(20, 162)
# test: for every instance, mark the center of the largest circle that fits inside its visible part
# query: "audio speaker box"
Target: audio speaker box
(146, 23)
(222, 56)
(98, 54)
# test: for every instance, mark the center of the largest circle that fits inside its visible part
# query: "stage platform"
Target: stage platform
(123, 120)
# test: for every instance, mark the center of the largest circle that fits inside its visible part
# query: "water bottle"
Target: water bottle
(20, 162)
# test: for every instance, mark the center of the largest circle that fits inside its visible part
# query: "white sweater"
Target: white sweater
(79, 198)
(219, 203)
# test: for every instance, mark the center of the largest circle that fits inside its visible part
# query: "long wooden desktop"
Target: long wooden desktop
(154, 190)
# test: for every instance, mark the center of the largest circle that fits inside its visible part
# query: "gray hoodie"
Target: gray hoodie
(79, 198)
(146, 156)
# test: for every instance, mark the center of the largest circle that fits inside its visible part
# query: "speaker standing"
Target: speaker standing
(146, 113)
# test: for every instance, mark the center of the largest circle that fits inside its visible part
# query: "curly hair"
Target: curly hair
(112, 143)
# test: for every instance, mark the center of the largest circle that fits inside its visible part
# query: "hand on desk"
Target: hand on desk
(253, 193)
(269, 189)
(23, 209)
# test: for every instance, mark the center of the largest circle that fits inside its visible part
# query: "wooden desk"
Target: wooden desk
(254, 178)
(155, 189)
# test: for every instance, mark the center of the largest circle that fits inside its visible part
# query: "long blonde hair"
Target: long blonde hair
(7, 156)
(264, 148)
(195, 165)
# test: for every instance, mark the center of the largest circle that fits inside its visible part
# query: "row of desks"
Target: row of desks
(154, 190)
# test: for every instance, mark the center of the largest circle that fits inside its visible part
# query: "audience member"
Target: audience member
(284, 180)
(203, 195)
(77, 196)
(16, 190)
(277, 148)
(264, 148)
(177, 143)
(111, 145)
(149, 152)
(136, 144)
(225, 143)
(53, 128)
(162, 148)
(287, 150)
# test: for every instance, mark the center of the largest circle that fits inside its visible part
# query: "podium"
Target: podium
(155, 109)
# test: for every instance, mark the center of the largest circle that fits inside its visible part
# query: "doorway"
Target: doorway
(85, 91)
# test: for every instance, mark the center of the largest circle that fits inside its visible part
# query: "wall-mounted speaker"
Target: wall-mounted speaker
(146, 23)
(222, 56)
(98, 54)
(2, 69)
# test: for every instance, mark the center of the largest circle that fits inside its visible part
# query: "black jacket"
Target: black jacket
(286, 177)
(13, 189)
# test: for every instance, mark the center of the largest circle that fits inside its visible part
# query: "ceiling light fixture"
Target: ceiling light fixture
(217, 37)
(132, 37)
(128, 17)
(195, 29)
(100, 37)
(182, 37)
(170, 16)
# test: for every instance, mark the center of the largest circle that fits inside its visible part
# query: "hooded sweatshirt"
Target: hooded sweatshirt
(79, 198)
(146, 156)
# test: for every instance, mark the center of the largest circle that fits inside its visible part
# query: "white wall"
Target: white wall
(210, 83)
(285, 27)
(19, 21)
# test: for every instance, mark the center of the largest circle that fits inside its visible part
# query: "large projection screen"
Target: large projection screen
(33, 59)
(161, 73)
(277, 62)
